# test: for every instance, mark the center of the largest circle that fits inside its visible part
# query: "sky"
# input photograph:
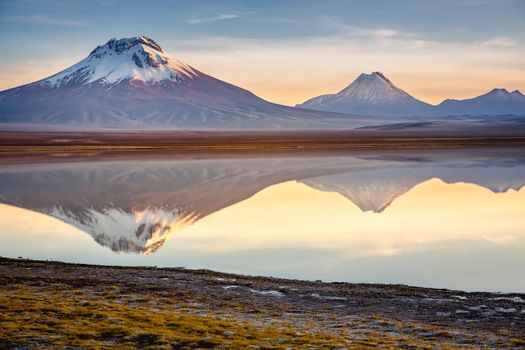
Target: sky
(285, 51)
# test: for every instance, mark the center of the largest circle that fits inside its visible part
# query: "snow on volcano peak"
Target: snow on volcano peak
(374, 87)
(370, 94)
(136, 58)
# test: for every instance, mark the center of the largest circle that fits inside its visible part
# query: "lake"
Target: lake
(432, 218)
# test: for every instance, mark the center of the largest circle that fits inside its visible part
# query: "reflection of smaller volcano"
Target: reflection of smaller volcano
(370, 191)
(376, 190)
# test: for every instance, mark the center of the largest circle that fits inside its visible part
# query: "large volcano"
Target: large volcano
(133, 84)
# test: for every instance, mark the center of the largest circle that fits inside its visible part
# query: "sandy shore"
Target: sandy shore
(84, 306)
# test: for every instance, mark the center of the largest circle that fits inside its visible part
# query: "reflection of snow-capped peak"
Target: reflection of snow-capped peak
(139, 231)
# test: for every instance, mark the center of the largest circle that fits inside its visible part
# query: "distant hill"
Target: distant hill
(374, 94)
(370, 94)
(495, 102)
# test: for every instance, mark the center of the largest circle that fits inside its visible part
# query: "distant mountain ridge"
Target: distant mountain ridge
(131, 83)
(375, 94)
(494, 102)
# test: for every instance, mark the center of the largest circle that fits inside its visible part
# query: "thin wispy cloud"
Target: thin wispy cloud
(281, 20)
(356, 31)
(500, 41)
(44, 20)
(222, 17)
(375, 32)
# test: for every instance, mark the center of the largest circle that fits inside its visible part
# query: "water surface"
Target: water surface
(448, 219)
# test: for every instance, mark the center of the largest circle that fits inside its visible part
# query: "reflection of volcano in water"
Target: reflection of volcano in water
(374, 190)
(135, 205)
(141, 231)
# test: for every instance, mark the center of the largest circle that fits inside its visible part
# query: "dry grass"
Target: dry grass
(58, 316)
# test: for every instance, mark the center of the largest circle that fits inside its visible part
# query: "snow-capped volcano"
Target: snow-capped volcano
(370, 94)
(126, 83)
(135, 59)
(133, 83)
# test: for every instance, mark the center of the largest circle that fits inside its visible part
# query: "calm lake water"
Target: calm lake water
(447, 219)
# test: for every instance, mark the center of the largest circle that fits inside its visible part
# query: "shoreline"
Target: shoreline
(301, 312)
(21, 143)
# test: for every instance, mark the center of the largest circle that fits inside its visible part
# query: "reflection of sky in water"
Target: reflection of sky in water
(446, 221)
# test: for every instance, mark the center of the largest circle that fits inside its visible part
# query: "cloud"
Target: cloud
(349, 30)
(500, 41)
(222, 17)
(379, 32)
(45, 20)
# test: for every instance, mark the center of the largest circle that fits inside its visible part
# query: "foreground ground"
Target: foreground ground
(58, 305)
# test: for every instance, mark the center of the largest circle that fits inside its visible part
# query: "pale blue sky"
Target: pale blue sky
(284, 50)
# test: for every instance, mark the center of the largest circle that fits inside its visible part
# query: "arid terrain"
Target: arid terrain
(46, 304)
(68, 143)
